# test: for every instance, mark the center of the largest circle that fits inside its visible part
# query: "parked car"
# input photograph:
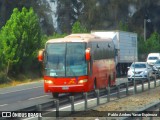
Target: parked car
(140, 71)
(156, 68)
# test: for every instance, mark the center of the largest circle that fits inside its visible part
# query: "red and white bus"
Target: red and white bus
(78, 63)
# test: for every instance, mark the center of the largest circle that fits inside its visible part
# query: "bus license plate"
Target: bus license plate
(65, 88)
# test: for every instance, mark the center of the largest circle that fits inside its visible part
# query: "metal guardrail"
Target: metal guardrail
(108, 98)
(56, 103)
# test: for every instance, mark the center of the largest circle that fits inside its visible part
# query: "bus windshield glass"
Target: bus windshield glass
(65, 59)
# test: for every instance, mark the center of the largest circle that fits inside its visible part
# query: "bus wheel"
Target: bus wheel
(55, 95)
(95, 87)
(72, 94)
(109, 82)
(95, 84)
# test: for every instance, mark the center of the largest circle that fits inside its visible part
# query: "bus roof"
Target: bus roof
(77, 38)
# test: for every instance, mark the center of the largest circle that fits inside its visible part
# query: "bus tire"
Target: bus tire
(95, 84)
(109, 82)
(55, 95)
(95, 87)
(72, 94)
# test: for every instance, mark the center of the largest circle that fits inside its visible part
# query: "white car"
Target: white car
(140, 71)
(152, 58)
(156, 68)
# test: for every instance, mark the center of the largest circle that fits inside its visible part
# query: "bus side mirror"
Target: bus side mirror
(40, 55)
(88, 54)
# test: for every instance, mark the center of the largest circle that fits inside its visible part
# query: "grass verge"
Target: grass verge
(17, 82)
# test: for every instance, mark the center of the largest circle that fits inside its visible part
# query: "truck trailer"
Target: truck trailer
(125, 48)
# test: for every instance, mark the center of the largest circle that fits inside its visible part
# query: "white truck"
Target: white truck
(125, 45)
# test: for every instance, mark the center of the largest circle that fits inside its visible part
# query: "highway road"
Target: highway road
(20, 93)
(20, 96)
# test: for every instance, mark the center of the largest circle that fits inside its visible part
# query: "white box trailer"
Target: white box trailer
(125, 45)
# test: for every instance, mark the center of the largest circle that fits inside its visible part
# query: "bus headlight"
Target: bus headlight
(48, 81)
(83, 81)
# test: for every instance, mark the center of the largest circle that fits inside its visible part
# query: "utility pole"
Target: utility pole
(145, 21)
(144, 30)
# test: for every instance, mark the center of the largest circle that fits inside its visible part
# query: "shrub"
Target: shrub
(4, 78)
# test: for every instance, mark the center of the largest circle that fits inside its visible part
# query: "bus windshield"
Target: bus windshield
(65, 59)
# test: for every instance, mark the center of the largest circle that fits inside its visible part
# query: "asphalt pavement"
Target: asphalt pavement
(21, 92)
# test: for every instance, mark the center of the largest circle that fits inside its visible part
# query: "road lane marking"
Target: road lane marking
(20, 90)
(38, 97)
(3, 105)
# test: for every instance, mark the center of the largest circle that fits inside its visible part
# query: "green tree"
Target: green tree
(141, 46)
(153, 43)
(8, 41)
(78, 28)
(91, 16)
(21, 39)
(141, 49)
(123, 26)
(41, 8)
(68, 12)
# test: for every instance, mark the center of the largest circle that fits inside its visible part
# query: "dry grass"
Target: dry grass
(18, 82)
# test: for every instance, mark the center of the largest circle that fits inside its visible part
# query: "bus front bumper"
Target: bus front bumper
(66, 88)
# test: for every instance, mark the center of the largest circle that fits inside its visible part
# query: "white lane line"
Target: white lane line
(28, 99)
(20, 90)
(38, 97)
(3, 105)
